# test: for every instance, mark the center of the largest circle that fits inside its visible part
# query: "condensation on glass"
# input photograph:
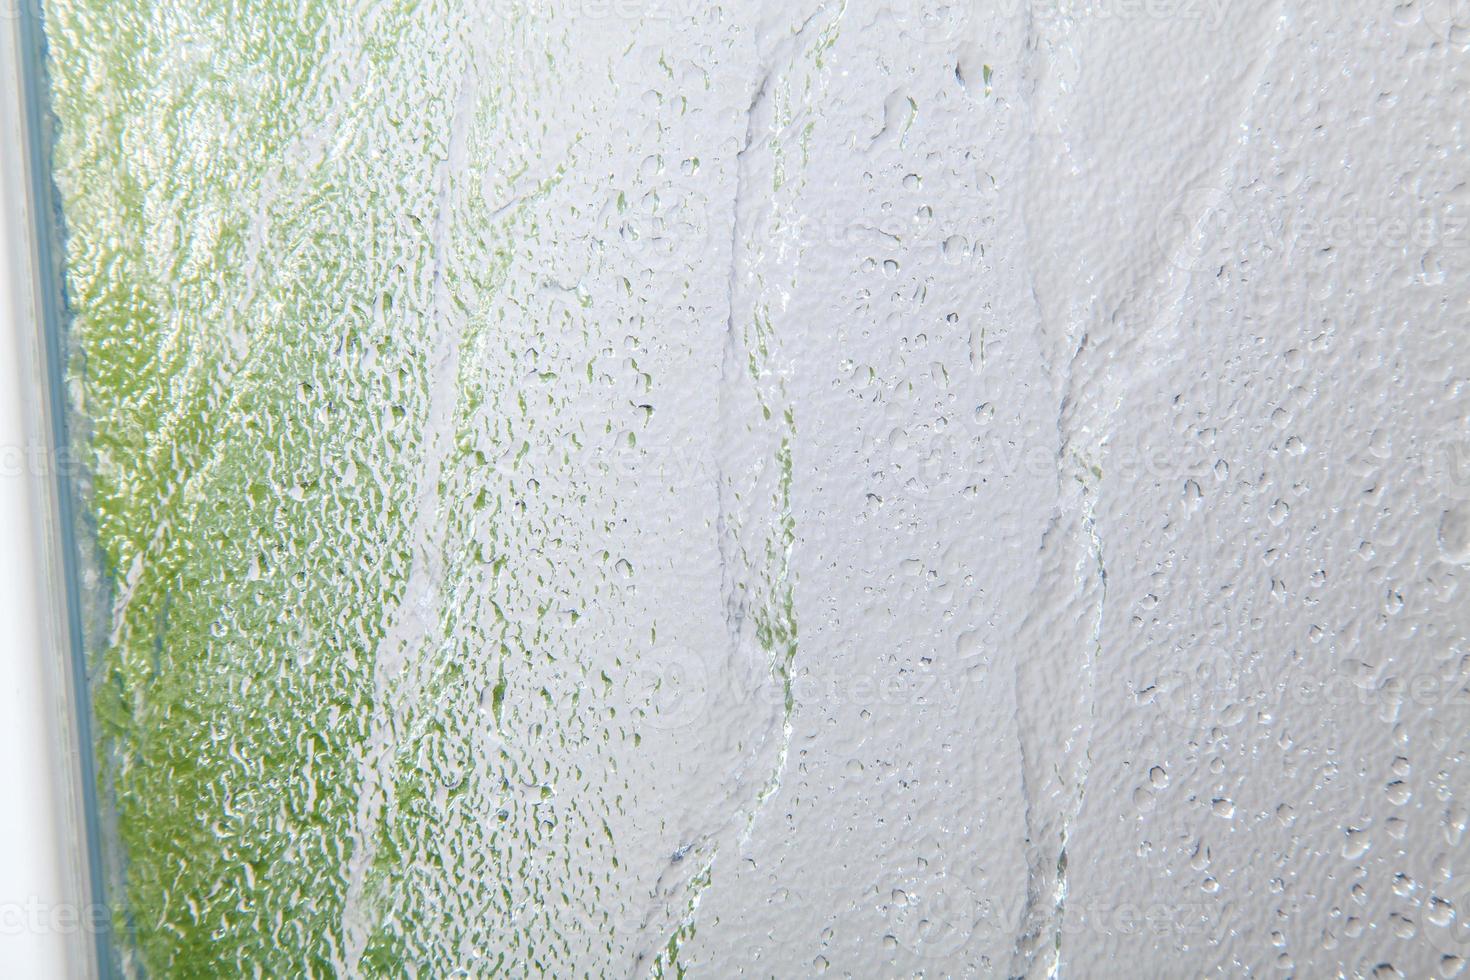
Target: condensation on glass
(635, 488)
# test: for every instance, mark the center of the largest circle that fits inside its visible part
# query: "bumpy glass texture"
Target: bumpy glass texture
(635, 487)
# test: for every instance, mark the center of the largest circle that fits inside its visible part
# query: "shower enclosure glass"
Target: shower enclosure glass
(611, 487)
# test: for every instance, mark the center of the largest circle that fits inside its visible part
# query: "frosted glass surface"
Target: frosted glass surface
(646, 487)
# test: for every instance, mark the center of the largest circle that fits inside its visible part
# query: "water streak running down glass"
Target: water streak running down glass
(646, 487)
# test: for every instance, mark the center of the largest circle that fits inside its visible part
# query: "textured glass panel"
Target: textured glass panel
(627, 487)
